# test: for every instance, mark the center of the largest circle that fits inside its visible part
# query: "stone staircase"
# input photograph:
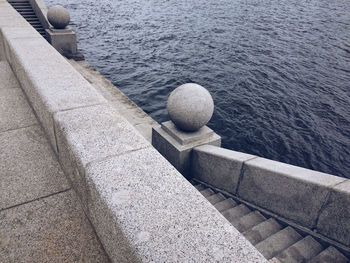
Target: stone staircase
(25, 9)
(276, 241)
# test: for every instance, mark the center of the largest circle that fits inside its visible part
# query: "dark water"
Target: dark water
(278, 70)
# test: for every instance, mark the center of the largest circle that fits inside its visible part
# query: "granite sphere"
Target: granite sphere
(190, 107)
(58, 16)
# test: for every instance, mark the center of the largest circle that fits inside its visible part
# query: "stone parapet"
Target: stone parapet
(142, 209)
(311, 199)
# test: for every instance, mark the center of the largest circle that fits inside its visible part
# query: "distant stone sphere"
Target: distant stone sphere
(190, 107)
(58, 16)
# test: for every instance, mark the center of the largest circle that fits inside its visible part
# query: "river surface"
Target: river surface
(278, 70)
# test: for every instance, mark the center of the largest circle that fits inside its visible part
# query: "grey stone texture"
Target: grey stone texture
(40, 10)
(89, 134)
(9, 17)
(14, 110)
(106, 159)
(145, 211)
(167, 137)
(292, 192)
(218, 167)
(334, 219)
(49, 81)
(58, 16)
(63, 40)
(117, 99)
(28, 167)
(52, 229)
(190, 107)
(8, 80)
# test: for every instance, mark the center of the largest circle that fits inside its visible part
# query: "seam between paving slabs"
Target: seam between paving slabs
(36, 199)
(15, 129)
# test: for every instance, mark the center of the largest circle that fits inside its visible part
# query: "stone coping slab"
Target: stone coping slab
(334, 219)
(90, 134)
(312, 199)
(218, 166)
(290, 191)
(155, 215)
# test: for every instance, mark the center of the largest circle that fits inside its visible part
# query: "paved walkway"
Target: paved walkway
(41, 219)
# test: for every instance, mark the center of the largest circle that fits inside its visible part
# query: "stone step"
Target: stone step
(199, 187)
(279, 241)
(213, 199)
(262, 231)
(329, 255)
(236, 212)
(24, 9)
(29, 16)
(26, 12)
(225, 204)
(301, 251)
(19, 4)
(207, 192)
(248, 221)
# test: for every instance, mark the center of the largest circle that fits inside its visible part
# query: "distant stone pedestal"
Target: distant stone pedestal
(176, 145)
(64, 40)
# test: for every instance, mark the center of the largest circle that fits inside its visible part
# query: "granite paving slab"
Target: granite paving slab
(8, 80)
(15, 111)
(52, 229)
(28, 167)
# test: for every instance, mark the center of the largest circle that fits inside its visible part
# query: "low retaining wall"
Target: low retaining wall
(142, 209)
(313, 199)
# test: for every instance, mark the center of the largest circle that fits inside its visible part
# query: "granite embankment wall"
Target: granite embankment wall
(142, 209)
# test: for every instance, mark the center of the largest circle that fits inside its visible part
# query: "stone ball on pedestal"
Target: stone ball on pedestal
(58, 16)
(190, 107)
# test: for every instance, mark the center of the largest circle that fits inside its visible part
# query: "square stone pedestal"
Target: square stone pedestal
(176, 145)
(64, 40)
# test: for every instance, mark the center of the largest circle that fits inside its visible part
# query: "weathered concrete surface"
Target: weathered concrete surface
(8, 80)
(118, 100)
(14, 110)
(218, 166)
(292, 192)
(52, 229)
(28, 167)
(144, 210)
(334, 219)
